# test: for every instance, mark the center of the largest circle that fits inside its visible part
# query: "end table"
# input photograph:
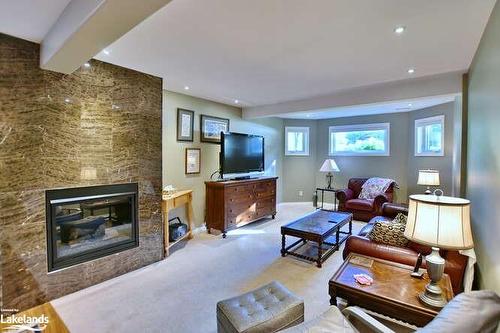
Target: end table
(323, 190)
(394, 292)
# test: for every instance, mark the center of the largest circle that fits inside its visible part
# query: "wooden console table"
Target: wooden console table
(170, 202)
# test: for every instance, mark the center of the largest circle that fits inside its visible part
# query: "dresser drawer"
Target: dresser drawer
(235, 195)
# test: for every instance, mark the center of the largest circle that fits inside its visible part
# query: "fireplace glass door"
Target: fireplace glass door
(91, 222)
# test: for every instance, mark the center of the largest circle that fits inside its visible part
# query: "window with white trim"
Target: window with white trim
(429, 136)
(360, 140)
(297, 141)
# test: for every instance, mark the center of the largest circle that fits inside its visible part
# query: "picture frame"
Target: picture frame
(185, 125)
(211, 127)
(192, 162)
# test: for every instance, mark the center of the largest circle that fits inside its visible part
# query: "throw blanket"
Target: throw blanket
(374, 186)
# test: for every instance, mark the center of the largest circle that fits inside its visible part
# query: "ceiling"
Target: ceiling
(269, 51)
(29, 19)
(373, 108)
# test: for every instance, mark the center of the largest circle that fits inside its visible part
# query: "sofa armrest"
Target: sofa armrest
(390, 209)
(455, 266)
(344, 195)
(455, 263)
(364, 246)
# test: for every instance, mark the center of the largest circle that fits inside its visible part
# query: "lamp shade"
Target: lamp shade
(329, 165)
(428, 177)
(439, 221)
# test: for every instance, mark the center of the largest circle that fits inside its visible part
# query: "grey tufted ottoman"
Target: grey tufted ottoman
(268, 309)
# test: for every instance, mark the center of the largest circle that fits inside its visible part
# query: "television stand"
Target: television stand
(235, 203)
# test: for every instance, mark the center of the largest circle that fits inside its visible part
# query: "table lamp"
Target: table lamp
(428, 178)
(440, 222)
(328, 166)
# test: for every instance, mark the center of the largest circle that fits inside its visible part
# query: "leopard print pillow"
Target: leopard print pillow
(400, 218)
(389, 233)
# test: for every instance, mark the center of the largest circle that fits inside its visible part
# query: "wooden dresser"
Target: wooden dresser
(232, 204)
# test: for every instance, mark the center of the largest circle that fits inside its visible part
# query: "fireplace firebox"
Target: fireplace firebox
(87, 223)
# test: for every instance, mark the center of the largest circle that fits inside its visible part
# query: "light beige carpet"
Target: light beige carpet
(179, 294)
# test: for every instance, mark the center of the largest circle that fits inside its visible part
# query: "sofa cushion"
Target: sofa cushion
(331, 320)
(473, 312)
(360, 204)
(389, 233)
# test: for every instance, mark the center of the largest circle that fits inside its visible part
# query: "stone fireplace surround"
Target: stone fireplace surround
(100, 125)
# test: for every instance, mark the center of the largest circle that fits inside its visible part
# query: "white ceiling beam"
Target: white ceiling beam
(436, 85)
(85, 27)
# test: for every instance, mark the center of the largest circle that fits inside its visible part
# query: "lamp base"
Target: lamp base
(433, 298)
(428, 191)
(329, 177)
(433, 295)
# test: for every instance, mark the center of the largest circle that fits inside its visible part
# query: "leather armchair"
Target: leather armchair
(361, 244)
(362, 209)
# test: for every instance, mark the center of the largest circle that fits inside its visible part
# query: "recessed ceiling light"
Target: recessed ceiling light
(410, 105)
(67, 100)
(106, 52)
(186, 88)
(399, 29)
(411, 71)
(114, 107)
(236, 101)
(86, 65)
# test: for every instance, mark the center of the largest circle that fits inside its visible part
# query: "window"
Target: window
(429, 136)
(360, 140)
(297, 141)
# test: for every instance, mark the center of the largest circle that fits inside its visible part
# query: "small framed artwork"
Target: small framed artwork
(193, 161)
(185, 122)
(211, 127)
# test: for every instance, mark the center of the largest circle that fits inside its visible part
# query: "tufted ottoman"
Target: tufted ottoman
(268, 309)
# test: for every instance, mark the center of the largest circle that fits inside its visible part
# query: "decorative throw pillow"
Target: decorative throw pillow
(400, 218)
(389, 233)
(374, 186)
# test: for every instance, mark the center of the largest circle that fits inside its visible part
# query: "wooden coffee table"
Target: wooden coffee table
(322, 227)
(394, 292)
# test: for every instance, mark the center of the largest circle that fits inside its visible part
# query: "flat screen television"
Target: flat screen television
(242, 155)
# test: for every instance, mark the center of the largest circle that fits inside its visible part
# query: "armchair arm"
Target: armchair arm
(365, 319)
(344, 195)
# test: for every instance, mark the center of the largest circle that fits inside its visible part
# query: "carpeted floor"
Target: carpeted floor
(179, 294)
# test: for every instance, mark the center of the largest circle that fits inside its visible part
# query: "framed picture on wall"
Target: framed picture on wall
(211, 127)
(185, 122)
(193, 161)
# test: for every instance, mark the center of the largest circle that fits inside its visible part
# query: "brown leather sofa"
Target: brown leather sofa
(362, 209)
(455, 262)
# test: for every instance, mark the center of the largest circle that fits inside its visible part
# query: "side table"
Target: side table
(394, 292)
(323, 190)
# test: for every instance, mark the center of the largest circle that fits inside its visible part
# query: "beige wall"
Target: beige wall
(301, 172)
(483, 160)
(393, 166)
(173, 151)
(444, 164)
